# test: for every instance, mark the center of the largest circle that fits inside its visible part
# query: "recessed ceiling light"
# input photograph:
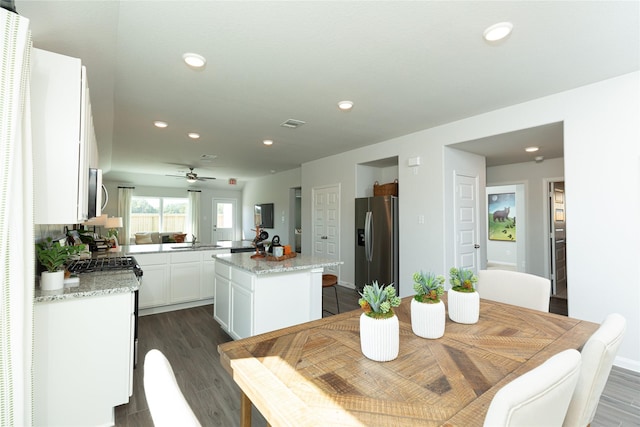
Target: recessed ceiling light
(498, 31)
(267, 142)
(193, 135)
(160, 124)
(194, 60)
(345, 105)
(532, 149)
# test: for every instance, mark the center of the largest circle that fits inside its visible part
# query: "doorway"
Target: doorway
(557, 240)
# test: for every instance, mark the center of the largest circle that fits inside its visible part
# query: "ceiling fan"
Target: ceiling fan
(192, 176)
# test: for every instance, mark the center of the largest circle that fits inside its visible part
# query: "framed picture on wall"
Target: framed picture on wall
(502, 217)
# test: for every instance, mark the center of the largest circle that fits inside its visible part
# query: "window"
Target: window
(160, 214)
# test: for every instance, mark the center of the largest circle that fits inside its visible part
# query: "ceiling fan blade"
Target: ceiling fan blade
(176, 176)
(206, 177)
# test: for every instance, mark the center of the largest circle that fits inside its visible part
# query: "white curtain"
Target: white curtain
(193, 215)
(125, 194)
(16, 224)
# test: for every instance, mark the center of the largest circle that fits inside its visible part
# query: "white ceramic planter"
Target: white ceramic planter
(52, 280)
(379, 338)
(427, 320)
(464, 307)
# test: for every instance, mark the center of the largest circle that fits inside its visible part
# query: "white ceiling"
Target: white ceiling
(407, 66)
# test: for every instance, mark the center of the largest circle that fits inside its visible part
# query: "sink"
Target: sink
(196, 246)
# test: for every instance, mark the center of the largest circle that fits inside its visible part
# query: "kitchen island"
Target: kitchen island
(254, 296)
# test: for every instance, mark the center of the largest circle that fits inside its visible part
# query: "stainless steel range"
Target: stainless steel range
(110, 263)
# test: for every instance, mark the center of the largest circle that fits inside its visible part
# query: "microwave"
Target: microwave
(98, 196)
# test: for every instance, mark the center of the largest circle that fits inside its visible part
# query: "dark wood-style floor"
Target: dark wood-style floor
(189, 338)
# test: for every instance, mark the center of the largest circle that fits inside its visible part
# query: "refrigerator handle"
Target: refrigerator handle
(368, 237)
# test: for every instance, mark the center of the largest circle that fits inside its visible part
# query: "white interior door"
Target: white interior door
(223, 220)
(326, 224)
(466, 221)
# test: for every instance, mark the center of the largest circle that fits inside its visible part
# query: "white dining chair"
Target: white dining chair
(516, 288)
(539, 397)
(167, 404)
(597, 358)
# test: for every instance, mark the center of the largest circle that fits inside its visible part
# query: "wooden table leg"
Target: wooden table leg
(245, 410)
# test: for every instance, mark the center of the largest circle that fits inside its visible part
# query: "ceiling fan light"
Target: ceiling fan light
(498, 31)
(191, 180)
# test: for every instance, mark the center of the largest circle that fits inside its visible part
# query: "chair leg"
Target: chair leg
(337, 301)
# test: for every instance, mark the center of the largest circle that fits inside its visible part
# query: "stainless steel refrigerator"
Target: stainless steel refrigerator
(376, 243)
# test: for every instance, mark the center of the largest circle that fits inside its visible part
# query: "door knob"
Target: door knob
(476, 246)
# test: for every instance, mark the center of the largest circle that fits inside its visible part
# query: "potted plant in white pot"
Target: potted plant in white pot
(427, 309)
(53, 256)
(379, 326)
(463, 299)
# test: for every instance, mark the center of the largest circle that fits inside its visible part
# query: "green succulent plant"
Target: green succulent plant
(378, 300)
(462, 280)
(53, 256)
(429, 287)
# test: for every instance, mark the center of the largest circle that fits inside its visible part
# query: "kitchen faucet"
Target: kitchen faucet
(193, 240)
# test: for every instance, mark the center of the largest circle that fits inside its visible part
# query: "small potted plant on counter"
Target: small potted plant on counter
(427, 309)
(464, 300)
(379, 326)
(53, 256)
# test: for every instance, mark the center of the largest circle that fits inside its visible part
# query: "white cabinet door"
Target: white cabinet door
(59, 159)
(207, 283)
(154, 286)
(222, 305)
(241, 312)
(185, 282)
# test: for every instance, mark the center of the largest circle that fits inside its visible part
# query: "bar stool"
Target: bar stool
(331, 280)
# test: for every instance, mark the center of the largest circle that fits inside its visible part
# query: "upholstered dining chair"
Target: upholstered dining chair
(539, 397)
(167, 404)
(516, 288)
(597, 358)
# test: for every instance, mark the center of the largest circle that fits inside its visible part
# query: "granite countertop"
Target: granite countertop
(260, 266)
(92, 284)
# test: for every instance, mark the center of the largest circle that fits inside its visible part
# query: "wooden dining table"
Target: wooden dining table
(314, 374)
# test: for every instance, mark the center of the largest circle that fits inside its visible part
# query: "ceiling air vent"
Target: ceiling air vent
(292, 124)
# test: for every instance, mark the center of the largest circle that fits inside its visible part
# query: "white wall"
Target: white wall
(602, 166)
(206, 199)
(272, 189)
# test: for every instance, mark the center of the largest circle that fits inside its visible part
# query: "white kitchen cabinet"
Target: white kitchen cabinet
(207, 284)
(222, 305)
(154, 286)
(186, 274)
(176, 279)
(248, 304)
(60, 129)
(82, 359)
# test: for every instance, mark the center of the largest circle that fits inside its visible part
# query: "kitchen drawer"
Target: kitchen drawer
(223, 270)
(242, 279)
(190, 256)
(151, 259)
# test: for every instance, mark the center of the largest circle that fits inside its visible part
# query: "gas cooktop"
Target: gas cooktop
(105, 264)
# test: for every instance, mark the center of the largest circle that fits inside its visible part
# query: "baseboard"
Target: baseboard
(174, 307)
(630, 364)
